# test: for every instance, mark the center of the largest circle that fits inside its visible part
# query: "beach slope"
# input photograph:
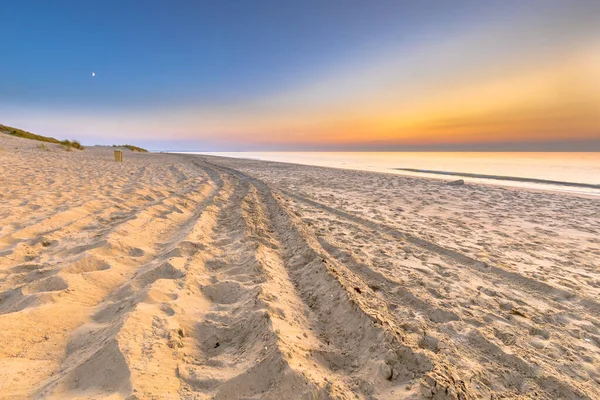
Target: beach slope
(180, 276)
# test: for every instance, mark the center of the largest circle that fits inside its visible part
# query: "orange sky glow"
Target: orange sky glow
(528, 76)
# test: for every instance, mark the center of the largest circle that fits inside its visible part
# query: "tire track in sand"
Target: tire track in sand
(486, 268)
(94, 281)
(517, 373)
(358, 340)
(473, 344)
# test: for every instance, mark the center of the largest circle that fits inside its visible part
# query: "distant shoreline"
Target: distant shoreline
(501, 178)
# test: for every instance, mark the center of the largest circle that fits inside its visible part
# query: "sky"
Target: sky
(235, 75)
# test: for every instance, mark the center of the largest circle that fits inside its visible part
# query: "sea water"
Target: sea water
(582, 168)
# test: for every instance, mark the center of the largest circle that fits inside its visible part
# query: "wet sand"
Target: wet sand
(502, 178)
(180, 276)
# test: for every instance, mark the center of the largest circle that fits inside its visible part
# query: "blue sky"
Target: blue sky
(157, 52)
(236, 74)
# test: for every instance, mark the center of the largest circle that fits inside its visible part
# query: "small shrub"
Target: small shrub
(131, 147)
(77, 144)
(73, 143)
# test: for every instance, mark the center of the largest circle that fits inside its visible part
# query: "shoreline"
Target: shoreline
(502, 178)
(307, 159)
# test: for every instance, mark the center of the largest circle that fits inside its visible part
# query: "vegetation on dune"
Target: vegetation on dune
(68, 145)
(27, 135)
(131, 147)
(32, 136)
(72, 143)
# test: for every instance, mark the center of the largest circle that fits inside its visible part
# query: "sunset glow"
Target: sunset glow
(504, 72)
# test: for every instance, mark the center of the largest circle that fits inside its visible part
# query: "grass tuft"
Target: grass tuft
(72, 143)
(131, 147)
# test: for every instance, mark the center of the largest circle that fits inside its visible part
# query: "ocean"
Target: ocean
(565, 172)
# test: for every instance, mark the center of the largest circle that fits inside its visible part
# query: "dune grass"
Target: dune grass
(68, 145)
(32, 136)
(72, 143)
(27, 135)
(131, 147)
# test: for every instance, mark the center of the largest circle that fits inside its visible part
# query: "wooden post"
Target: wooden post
(118, 156)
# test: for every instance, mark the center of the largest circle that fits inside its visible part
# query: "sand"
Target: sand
(177, 276)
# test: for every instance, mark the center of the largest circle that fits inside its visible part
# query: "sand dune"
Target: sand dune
(173, 276)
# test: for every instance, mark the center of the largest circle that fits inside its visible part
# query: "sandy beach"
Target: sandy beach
(179, 276)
